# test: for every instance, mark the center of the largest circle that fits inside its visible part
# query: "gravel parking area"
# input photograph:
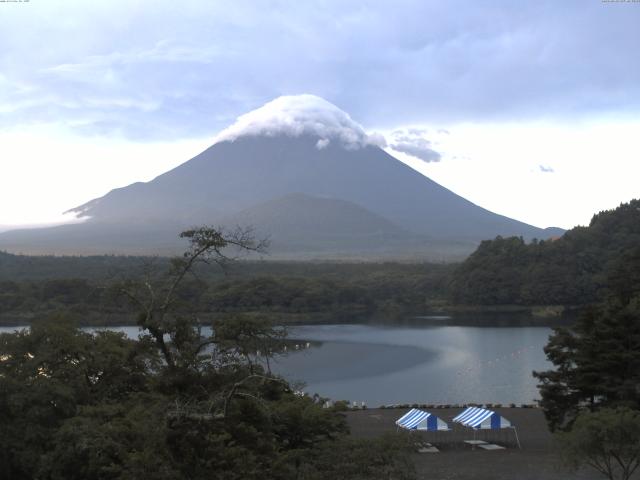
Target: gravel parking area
(457, 460)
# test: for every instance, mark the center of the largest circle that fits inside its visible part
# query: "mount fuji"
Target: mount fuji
(300, 171)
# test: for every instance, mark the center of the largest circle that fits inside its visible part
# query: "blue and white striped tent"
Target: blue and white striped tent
(482, 419)
(416, 419)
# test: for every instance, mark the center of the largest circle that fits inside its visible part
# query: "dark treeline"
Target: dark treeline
(101, 267)
(576, 269)
(292, 291)
(23, 267)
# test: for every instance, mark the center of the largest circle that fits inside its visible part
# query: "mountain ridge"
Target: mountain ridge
(336, 165)
(294, 165)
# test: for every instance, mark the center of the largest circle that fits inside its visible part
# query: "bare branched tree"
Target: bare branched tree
(155, 296)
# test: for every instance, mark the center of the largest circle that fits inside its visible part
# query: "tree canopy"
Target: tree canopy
(570, 270)
(607, 440)
(176, 403)
(597, 361)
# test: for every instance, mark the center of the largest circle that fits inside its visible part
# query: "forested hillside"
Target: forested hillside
(575, 269)
(288, 291)
(25, 267)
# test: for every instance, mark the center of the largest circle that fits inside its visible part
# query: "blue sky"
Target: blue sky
(530, 109)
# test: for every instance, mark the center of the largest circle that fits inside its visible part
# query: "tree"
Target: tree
(175, 403)
(597, 360)
(570, 270)
(597, 364)
(48, 374)
(356, 459)
(251, 338)
(607, 440)
(156, 297)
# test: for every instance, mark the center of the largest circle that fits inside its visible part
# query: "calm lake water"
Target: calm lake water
(390, 364)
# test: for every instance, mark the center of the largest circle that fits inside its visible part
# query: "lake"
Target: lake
(396, 364)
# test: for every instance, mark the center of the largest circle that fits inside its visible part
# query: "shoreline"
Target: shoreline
(439, 406)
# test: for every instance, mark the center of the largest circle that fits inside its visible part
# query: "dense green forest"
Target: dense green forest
(105, 267)
(591, 396)
(75, 405)
(176, 403)
(290, 291)
(23, 267)
(575, 269)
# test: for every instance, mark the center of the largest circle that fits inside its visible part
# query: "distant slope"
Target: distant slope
(302, 215)
(300, 226)
(233, 176)
(576, 269)
(302, 222)
(354, 197)
(96, 238)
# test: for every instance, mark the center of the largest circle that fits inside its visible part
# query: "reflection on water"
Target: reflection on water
(402, 364)
(409, 363)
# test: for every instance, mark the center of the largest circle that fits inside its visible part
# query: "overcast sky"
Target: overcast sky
(530, 109)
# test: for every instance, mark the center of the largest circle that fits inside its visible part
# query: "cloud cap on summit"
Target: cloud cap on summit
(296, 115)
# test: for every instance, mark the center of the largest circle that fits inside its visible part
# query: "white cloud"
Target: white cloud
(323, 143)
(296, 115)
(414, 142)
(162, 51)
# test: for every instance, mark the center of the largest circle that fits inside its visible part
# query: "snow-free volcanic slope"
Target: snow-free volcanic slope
(302, 172)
